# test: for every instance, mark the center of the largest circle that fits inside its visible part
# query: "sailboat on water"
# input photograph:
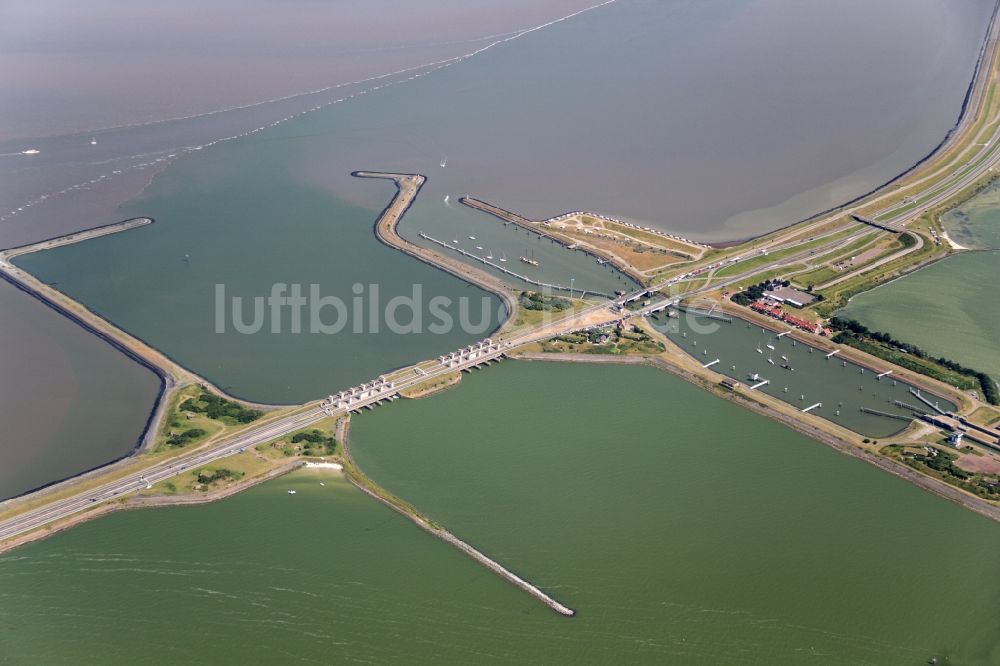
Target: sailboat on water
(530, 260)
(444, 162)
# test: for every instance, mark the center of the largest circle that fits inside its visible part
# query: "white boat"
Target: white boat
(93, 142)
(472, 238)
(455, 241)
(771, 361)
(489, 255)
(771, 347)
(446, 197)
(479, 247)
(759, 350)
(444, 162)
(291, 492)
(30, 151)
(503, 258)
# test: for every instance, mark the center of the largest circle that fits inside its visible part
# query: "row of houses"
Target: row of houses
(777, 312)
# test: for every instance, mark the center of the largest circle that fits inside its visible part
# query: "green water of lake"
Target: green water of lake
(976, 223)
(683, 530)
(948, 309)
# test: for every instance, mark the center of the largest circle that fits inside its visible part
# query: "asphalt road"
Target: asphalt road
(36, 518)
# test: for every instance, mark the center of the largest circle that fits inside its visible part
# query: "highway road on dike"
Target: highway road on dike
(599, 314)
(596, 315)
(33, 519)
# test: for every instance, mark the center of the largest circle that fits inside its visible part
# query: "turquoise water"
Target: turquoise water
(241, 223)
(675, 543)
(700, 131)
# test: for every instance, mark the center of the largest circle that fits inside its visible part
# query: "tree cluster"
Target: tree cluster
(206, 477)
(532, 300)
(185, 437)
(316, 443)
(853, 328)
(756, 292)
(215, 407)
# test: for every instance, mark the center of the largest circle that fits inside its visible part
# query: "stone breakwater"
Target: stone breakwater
(408, 186)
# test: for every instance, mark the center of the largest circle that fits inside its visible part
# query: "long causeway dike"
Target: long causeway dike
(386, 230)
(824, 434)
(536, 227)
(408, 186)
(373, 490)
(173, 375)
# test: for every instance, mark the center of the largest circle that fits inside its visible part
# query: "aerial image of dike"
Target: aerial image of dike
(752, 322)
